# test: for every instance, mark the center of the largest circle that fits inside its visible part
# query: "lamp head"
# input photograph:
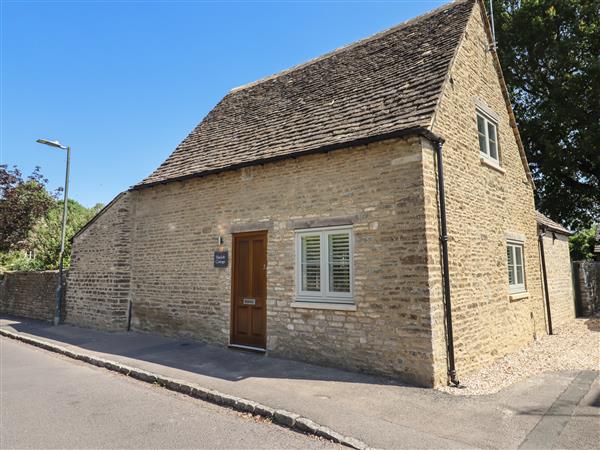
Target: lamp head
(51, 143)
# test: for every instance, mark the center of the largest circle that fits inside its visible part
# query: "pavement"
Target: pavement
(49, 401)
(552, 410)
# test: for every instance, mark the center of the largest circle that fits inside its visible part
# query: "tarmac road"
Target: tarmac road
(48, 401)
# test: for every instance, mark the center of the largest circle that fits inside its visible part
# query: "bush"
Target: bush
(18, 260)
(582, 243)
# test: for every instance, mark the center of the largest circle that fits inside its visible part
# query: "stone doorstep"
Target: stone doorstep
(279, 416)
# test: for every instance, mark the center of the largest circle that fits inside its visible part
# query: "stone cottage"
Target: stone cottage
(371, 209)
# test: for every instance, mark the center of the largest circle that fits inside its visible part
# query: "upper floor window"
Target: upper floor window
(324, 265)
(516, 272)
(487, 129)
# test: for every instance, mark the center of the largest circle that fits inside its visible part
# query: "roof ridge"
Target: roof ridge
(353, 44)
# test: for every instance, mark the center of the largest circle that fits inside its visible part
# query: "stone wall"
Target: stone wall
(560, 280)
(485, 205)
(587, 287)
(99, 277)
(29, 294)
(177, 291)
(172, 231)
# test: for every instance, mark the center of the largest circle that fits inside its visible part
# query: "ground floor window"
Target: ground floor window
(516, 272)
(324, 265)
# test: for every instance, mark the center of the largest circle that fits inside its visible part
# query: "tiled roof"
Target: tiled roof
(385, 84)
(597, 247)
(551, 224)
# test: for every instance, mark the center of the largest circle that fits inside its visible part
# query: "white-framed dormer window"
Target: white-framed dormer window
(516, 270)
(487, 130)
(324, 265)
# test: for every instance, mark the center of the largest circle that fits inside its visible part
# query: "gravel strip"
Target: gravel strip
(575, 346)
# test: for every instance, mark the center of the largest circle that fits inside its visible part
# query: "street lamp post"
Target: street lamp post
(59, 290)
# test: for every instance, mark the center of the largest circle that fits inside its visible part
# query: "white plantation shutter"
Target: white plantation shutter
(311, 263)
(324, 265)
(339, 262)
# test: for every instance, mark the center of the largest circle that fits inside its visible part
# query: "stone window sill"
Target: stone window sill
(324, 305)
(492, 164)
(519, 296)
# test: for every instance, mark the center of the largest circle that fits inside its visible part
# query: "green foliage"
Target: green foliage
(22, 204)
(31, 222)
(550, 55)
(18, 260)
(582, 243)
(45, 237)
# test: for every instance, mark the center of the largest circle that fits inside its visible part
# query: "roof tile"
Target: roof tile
(386, 83)
(550, 224)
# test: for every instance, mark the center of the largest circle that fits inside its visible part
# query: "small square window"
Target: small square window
(324, 265)
(516, 271)
(487, 131)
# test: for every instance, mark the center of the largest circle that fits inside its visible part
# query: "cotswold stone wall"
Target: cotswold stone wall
(177, 291)
(29, 294)
(560, 279)
(485, 205)
(98, 284)
(155, 247)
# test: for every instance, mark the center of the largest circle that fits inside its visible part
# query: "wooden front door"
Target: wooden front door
(249, 290)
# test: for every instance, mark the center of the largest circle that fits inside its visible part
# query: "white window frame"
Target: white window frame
(516, 287)
(324, 295)
(487, 120)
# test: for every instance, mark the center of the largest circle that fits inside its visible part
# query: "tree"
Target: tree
(582, 243)
(31, 222)
(550, 55)
(45, 236)
(22, 204)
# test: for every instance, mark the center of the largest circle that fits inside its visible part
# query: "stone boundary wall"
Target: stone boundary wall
(29, 294)
(586, 278)
(560, 278)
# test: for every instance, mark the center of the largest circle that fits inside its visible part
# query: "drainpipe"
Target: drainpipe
(129, 307)
(438, 143)
(545, 278)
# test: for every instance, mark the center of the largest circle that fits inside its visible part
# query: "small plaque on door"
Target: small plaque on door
(221, 259)
(249, 301)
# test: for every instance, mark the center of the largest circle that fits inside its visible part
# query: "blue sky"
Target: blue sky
(123, 83)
